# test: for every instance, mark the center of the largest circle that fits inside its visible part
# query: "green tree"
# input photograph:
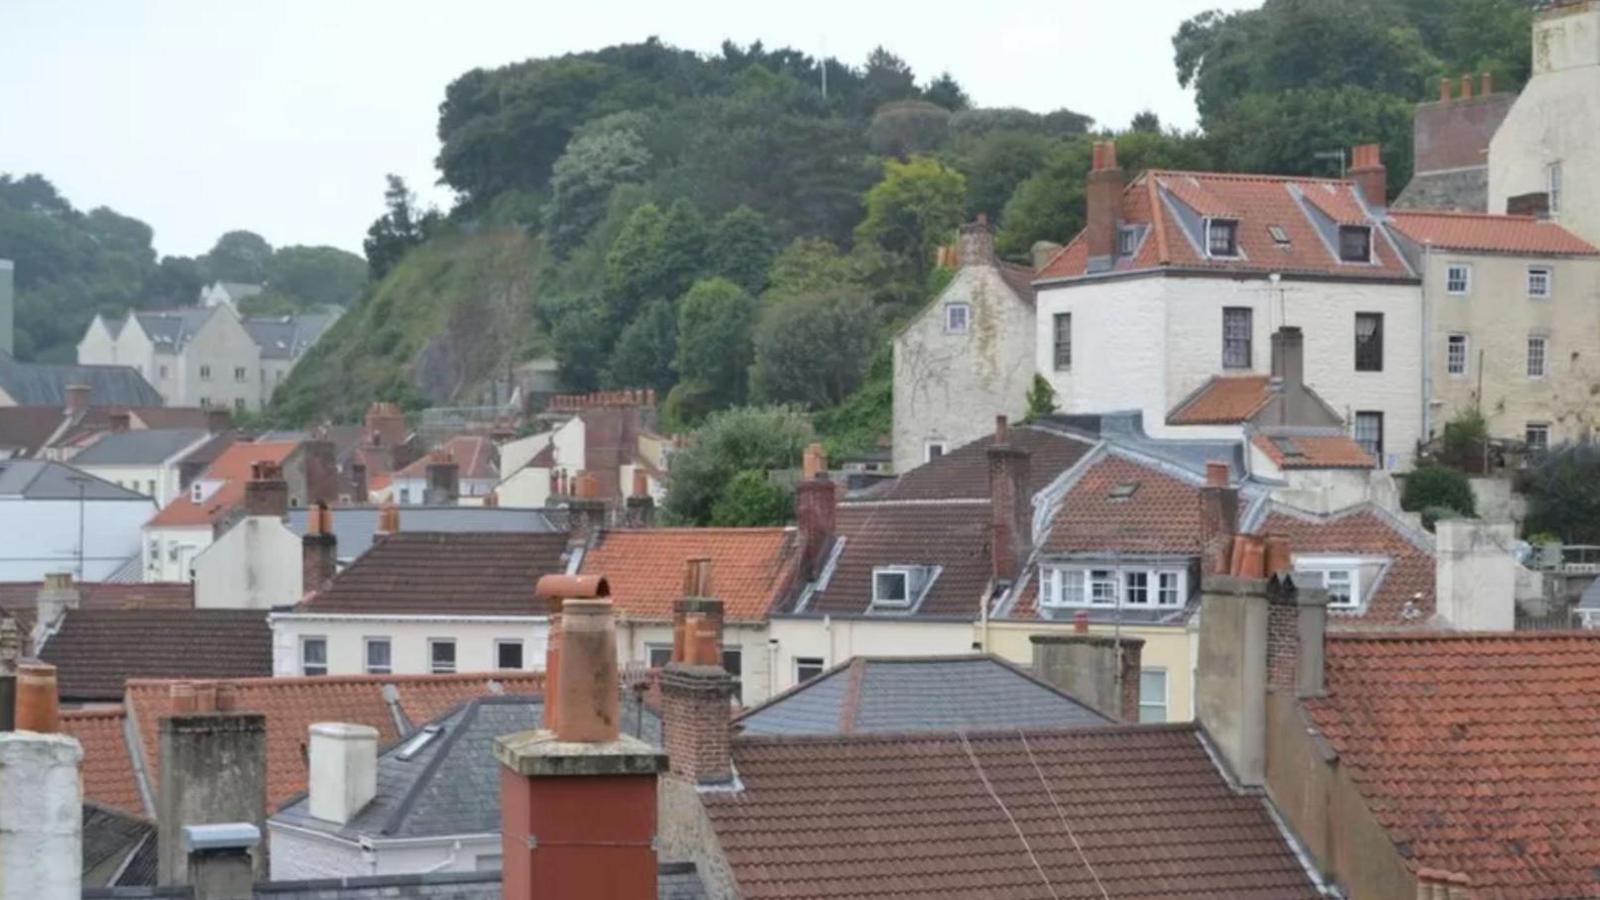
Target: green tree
(239, 256)
(917, 205)
(1041, 399)
(605, 154)
(887, 78)
(740, 247)
(808, 265)
(742, 439)
(946, 92)
(812, 349)
(995, 163)
(752, 500)
(582, 343)
(1285, 132)
(658, 254)
(393, 234)
(1047, 205)
(1563, 491)
(316, 276)
(1432, 490)
(1146, 121)
(714, 323)
(642, 357)
(907, 127)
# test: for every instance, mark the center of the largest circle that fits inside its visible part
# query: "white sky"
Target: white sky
(200, 116)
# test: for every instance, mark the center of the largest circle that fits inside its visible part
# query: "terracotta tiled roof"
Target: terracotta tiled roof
(1477, 753)
(963, 473)
(1490, 233)
(1313, 451)
(232, 468)
(1364, 531)
(291, 705)
(1161, 514)
(750, 568)
(472, 454)
(447, 573)
(96, 650)
(954, 536)
(108, 777)
(1223, 400)
(1258, 202)
(1138, 811)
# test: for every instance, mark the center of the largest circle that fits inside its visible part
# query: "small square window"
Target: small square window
(658, 655)
(932, 450)
(1537, 437)
(1341, 580)
(1539, 279)
(380, 656)
(441, 656)
(1355, 243)
(891, 587)
(1455, 354)
(1102, 587)
(1169, 589)
(1458, 278)
(1222, 237)
(807, 668)
(1369, 433)
(313, 656)
(733, 661)
(508, 654)
(957, 316)
(1369, 342)
(1237, 331)
(1137, 586)
(238, 374)
(163, 371)
(1538, 356)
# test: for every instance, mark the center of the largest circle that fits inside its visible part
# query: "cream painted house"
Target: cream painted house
(1547, 143)
(145, 461)
(607, 434)
(967, 357)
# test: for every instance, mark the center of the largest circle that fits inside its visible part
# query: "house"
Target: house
(1514, 328)
(61, 432)
(608, 434)
(1178, 275)
(966, 356)
(58, 519)
(210, 504)
(386, 446)
(142, 461)
(1450, 146)
(230, 292)
(1544, 152)
(48, 384)
(461, 470)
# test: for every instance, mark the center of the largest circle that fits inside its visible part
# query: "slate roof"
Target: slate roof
(1365, 530)
(1088, 812)
(751, 568)
(356, 527)
(963, 473)
(286, 337)
(118, 849)
(96, 650)
(953, 536)
(139, 448)
(92, 595)
(464, 573)
(1173, 206)
(1223, 400)
(901, 695)
(39, 479)
(1487, 233)
(1018, 278)
(45, 384)
(452, 785)
(1476, 752)
(232, 468)
(171, 329)
(1322, 450)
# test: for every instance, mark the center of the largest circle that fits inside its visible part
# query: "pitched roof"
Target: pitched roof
(963, 473)
(900, 695)
(463, 573)
(355, 527)
(953, 536)
(41, 479)
(1476, 751)
(1223, 400)
(96, 650)
(170, 329)
(1313, 451)
(1018, 278)
(1407, 576)
(1120, 505)
(139, 448)
(107, 769)
(674, 881)
(750, 568)
(474, 455)
(1307, 211)
(286, 337)
(1490, 233)
(25, 429)
(45, 384)
(1140, 811)
(20, 598)
(232, 468)
(118, 848)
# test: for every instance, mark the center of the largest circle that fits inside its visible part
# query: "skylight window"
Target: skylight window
(1124, 491)
(418, 741)
(1279, 236)
(1287, 446)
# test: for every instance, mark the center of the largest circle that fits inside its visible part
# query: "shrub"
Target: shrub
(1430, 489)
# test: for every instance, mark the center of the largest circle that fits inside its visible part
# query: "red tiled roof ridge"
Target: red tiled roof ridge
(1467, 214)
(95, 712)
(897, 737)
(1574, 634)
(696, 529)
(914, 501)
(1245, 176)
(274, 681)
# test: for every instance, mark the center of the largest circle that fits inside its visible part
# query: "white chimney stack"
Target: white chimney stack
(41, 818)
(1475, 574)
(344, 770)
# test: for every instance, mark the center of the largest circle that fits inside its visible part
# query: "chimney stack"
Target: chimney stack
(219, 856)
(217, 420)
(697, 618)
(586, 512)
(213, 770)
(553, 591)
(322, 471)
(1486, 84)
(1219, 516)
(578, 804)
(1446, 89)
(120, 421)
(10, 656)
(443, 481)
(695, 698)
(816, 505)
(1098, 670)
(976, 243)
(78, 398)
(1370, 176)
(56, 596)
(1289, 357)
(640, 506)
(319, 550)
(1103, 201)
(41, 818)
(1466, 87)
(344, 770)
(388, 518)
(358, 483)
(266, 493)
(1010, 506)
(38, 704)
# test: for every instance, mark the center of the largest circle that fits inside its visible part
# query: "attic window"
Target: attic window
(1127, 241)
(417, 742)
(891, 587)
(1124, 491)
(1279, 236)
(1355, 243)
(1222, 237)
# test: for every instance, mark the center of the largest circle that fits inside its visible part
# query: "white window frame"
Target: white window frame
(950, 325)
(1127, 241)
(1552, 179)
(1451, 366)
(1450, 270)
(305, 641)
(522, 650)
(1527, 434)
(1543, 343)
(808, 662)
(928, 448)
(1348, 566)
(367, 643)
(1091, 586)
(1166, 695)
(907, 577)
(1233, 224)
(455, 652)
(1061, 351)
(651, 650)
(1548, 281)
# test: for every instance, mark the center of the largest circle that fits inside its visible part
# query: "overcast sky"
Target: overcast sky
(282, 117)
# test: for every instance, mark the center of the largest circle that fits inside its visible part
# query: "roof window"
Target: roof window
(1124, 491)
(1355, 243)
(418, 741)
(1279, 235)
(1222, 237)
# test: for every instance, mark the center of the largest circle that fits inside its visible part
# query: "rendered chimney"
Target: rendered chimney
(78, 396)
(578, 805)
(213, 770)
(1466, 87)
(640, 506)
(1101, 671)
(816, 506)
(1446, 89)
(1289, 357)
(220, 860)
(266, 493)
(1485, 84)
(976, 243)
(38, 705)
(218, 420)
(319, 550)
(388, 518)
(1370, 176)
(443, 487)
(344, 770)
(41, 817)
(1219, 516)
(1010, 506)
(57, 595)
(1103, 206)
(120, 421)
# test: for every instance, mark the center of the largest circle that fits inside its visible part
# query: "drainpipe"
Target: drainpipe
(1427, 343)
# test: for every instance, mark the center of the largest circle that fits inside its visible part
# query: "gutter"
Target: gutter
(273, 618)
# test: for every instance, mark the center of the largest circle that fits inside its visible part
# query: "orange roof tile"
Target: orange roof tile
(1224, 400)
(232, 468)
(292, 704)
(1477, 752)
(108, 777)
(1162, 514)
(1490, 233)
(750, 568)
(1321, 451)
(1365, 531)
(472, 454)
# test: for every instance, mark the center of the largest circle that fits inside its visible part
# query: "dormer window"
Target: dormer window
(1355, 243)
(1127, 241)
(891, 587)
(1222, 237)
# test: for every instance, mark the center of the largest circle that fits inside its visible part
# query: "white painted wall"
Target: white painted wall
(836, 640)
(160, 482)
(475, 639)
(256, 564)
(41, 820)
(303, 854)
(516, 453)
(41, 536)
(525, 488)
(1475, 574)
(634, 640)
(169, 552)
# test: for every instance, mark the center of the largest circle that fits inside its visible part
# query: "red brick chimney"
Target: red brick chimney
(358, 482)
(640, 507)
(218, 420)
(1103, 199)
(319, 550)
(1369, 174)
(1219, 516)
(1010, 506)
(78, 398)
(266, 493)
(1466, 87)
(1446, 89)
(578, 804)
(816, 503)
(443, 480)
